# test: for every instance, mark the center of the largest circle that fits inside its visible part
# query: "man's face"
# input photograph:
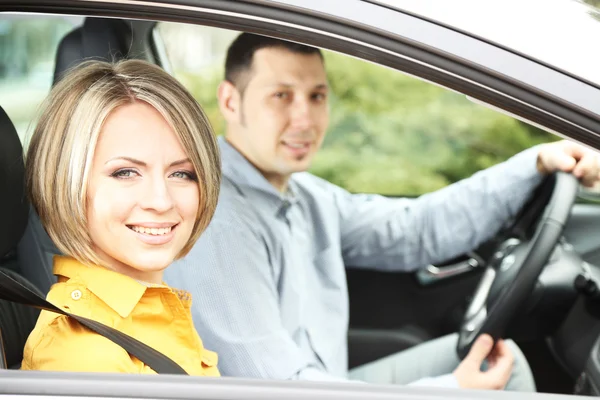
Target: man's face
(283, 113)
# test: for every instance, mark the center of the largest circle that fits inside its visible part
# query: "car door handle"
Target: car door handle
(432, 274)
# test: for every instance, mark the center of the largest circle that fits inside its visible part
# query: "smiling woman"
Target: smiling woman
(138, 187)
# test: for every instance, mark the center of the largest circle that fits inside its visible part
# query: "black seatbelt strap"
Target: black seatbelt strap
(13, 291)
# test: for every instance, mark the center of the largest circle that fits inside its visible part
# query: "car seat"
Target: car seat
(16, 320)
(100, 39)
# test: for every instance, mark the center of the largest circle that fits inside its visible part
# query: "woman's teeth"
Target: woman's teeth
(151, 231)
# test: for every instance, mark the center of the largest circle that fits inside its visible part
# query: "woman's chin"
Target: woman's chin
(151, 264)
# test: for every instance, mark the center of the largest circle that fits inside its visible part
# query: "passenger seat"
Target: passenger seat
(16, 320)
(105, 39)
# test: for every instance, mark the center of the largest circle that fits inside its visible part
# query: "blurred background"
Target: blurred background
(390, 133)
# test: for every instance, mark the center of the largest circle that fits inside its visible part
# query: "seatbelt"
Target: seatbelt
(13, 291)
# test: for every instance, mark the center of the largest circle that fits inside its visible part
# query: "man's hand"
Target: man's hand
(571, 157)
(500, 362)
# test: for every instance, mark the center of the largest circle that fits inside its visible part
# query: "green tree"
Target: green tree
(394, 134)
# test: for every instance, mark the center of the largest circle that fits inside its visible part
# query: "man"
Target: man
(268, 276)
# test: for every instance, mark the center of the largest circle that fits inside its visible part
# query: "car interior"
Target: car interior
(26, 250)
(381, 322)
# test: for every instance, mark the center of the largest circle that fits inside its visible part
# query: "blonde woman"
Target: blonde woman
(124, 172)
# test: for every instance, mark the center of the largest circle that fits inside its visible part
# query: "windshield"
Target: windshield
(562, 33)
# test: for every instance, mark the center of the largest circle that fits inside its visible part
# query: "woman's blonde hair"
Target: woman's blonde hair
(62, 146)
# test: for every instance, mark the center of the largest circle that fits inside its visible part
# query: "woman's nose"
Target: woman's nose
(157, 196)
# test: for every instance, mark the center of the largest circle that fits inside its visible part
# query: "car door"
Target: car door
(391, 135)
(370, 291)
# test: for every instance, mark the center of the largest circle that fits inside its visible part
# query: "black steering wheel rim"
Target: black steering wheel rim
(534, 255)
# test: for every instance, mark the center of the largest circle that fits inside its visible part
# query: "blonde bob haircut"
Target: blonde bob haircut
(61, 148)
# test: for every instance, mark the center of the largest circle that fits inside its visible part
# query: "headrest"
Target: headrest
(14, 206)
(106, 39)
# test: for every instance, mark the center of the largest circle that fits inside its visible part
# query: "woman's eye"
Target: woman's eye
(184, 175)
(124, 173)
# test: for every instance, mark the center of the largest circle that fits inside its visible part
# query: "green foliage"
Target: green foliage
(394, 134)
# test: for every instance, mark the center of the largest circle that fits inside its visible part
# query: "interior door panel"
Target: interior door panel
(390, 312)
(583, 231)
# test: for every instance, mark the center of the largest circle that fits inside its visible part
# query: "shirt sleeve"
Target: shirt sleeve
(407, 234)
(235, 303)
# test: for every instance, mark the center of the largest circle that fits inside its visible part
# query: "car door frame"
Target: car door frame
(371, 32)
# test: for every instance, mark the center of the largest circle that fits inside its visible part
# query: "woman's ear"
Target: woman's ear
(229, 102)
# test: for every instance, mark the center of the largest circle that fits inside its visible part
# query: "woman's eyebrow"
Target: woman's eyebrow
(179, 162)
(143, 164)
(132, 160)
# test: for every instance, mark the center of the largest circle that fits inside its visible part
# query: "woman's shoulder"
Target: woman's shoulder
(60, 343)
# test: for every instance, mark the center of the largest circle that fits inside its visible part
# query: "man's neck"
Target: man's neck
(279, 182)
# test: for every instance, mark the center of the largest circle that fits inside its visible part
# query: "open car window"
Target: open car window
(28, 46)
(389, 133)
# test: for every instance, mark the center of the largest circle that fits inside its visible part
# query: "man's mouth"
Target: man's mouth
(296, 145)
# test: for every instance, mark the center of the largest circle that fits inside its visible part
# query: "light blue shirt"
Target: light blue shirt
(268, 276)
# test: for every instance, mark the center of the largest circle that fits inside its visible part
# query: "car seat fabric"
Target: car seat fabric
(105, 39)
(16, 320)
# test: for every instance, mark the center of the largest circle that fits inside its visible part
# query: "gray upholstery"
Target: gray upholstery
(106, 39)
(16, 323)
(35, 252)
(101, 39)
(13, 201)
(16, 320)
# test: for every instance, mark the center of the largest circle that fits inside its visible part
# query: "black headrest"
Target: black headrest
(13, 199)
(105, 39)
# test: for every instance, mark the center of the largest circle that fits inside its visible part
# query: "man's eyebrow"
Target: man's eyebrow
(143, 164)
(289, 85)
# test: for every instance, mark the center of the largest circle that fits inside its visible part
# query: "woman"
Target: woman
(124, 172)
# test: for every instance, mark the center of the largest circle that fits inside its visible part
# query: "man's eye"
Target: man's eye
(319, 96)
(282, 95)
(124, 173)
(184, 175)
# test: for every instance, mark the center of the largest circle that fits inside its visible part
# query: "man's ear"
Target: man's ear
(229, 102)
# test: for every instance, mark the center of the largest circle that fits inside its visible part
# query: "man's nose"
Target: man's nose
(302, 114)
(157, 195)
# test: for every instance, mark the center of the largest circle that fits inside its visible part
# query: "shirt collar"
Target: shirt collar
(118, 291)
(241, 171)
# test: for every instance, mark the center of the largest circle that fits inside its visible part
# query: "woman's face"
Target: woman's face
(143, 195)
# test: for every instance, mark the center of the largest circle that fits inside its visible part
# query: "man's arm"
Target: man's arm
(235, 304)
(406, 234)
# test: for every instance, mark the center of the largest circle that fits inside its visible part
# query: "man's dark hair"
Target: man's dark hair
(241, 53)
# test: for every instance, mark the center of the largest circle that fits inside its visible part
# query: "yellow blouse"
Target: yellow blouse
(153, 314)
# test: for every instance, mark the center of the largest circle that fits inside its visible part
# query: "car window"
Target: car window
(578, 20)
(27, 50)
(389, 133)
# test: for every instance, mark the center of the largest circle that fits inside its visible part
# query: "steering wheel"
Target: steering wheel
(515, 265)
